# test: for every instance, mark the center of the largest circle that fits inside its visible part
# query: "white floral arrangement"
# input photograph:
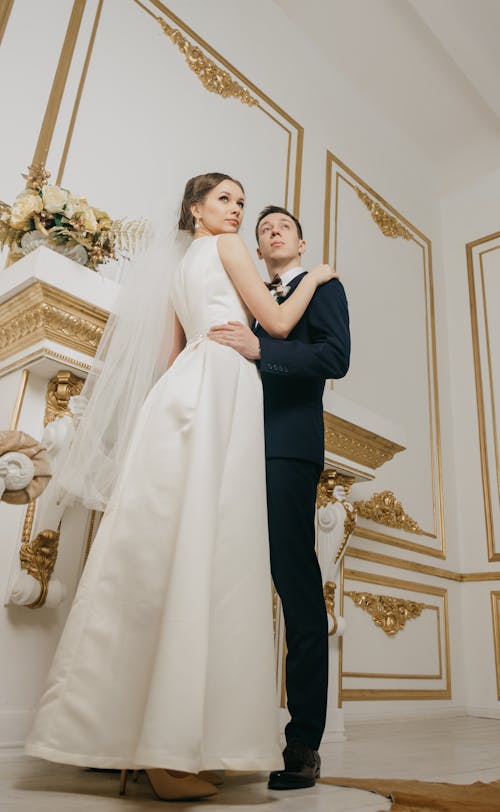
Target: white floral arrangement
(49, 215)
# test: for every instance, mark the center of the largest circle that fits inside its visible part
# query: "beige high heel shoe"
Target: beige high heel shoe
(171, 785)
(215, 777)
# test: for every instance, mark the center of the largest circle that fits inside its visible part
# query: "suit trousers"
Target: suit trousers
(291, 502)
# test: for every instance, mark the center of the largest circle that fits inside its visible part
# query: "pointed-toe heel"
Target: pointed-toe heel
(169, 785)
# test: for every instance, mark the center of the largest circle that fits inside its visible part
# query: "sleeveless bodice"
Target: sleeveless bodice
(202, 292)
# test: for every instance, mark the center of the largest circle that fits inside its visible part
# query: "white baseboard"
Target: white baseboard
(14, 727)
(398, 714)
(485, 713)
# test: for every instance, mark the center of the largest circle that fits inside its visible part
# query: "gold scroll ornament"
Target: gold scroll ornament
(387, 612)
(385, 509)
(38, 556)
(212, 77)
(388, 225)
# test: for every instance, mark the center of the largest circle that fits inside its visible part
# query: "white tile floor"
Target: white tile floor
(458, 749)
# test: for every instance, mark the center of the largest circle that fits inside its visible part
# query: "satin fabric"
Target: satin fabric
(167, 656)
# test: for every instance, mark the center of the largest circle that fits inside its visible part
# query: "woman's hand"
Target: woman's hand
(323, 273)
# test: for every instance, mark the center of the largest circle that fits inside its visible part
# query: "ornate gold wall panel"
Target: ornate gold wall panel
(42, 311)
(443, 673)
(482, 321)
(388, 612)
(339, 181)
(215, 64)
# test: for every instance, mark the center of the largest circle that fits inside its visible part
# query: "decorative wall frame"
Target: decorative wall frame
(393, 225)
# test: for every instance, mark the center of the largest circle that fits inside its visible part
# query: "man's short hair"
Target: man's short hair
(276, 210)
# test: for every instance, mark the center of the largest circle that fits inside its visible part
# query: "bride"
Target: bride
(166, 661)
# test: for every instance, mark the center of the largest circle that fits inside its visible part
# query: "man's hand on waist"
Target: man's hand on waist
(238, 336)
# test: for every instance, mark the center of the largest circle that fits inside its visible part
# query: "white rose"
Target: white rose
(25, 205)
(54, 198)
(87, 219)
(73, 205)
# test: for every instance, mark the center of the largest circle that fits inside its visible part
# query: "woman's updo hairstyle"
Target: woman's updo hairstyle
(196, 190)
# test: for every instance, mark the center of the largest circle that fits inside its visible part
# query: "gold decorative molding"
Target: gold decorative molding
(60, 389)
(78, 97)
(407, 676)
(384, 508)
(212, 77)
(362, 694)
(5, 9)
(28, 522)
(41, 311)
(495, 609)
(38, 558)
(484, 385)
(357, 444)
(387, 223)
(349, 525)
(18, 405)
(59, 83)
(329, 596)
(340, 183)
(387, 612)
(425, 569)
(328, 481)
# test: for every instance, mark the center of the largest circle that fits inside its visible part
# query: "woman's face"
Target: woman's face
(220, 211)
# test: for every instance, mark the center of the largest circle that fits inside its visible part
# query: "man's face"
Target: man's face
(279, 242)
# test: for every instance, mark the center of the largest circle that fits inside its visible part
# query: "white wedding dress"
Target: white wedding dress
(167, 656)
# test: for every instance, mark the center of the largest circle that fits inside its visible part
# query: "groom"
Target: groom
(293, 377)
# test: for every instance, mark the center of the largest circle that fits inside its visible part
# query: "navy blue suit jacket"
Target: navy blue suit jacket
(294, 371)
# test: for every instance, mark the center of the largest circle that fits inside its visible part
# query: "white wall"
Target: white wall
(467, 215)
(262, 43)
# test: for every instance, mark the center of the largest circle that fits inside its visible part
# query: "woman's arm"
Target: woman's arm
(178, 343)
(277, 320)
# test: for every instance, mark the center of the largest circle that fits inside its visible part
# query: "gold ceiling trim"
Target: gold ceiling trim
(41, 311)
(385, 509)
(387, 612)
(63, 386)
(493, 553)
(357, 444)
(388, 225)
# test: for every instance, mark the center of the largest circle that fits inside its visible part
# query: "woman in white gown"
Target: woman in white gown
(166, 660)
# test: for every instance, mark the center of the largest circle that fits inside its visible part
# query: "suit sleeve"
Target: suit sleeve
(328, 354)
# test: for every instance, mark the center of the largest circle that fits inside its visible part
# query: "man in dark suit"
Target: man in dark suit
(294, 372)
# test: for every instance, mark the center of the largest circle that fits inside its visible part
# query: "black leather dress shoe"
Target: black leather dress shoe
(302, 768)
